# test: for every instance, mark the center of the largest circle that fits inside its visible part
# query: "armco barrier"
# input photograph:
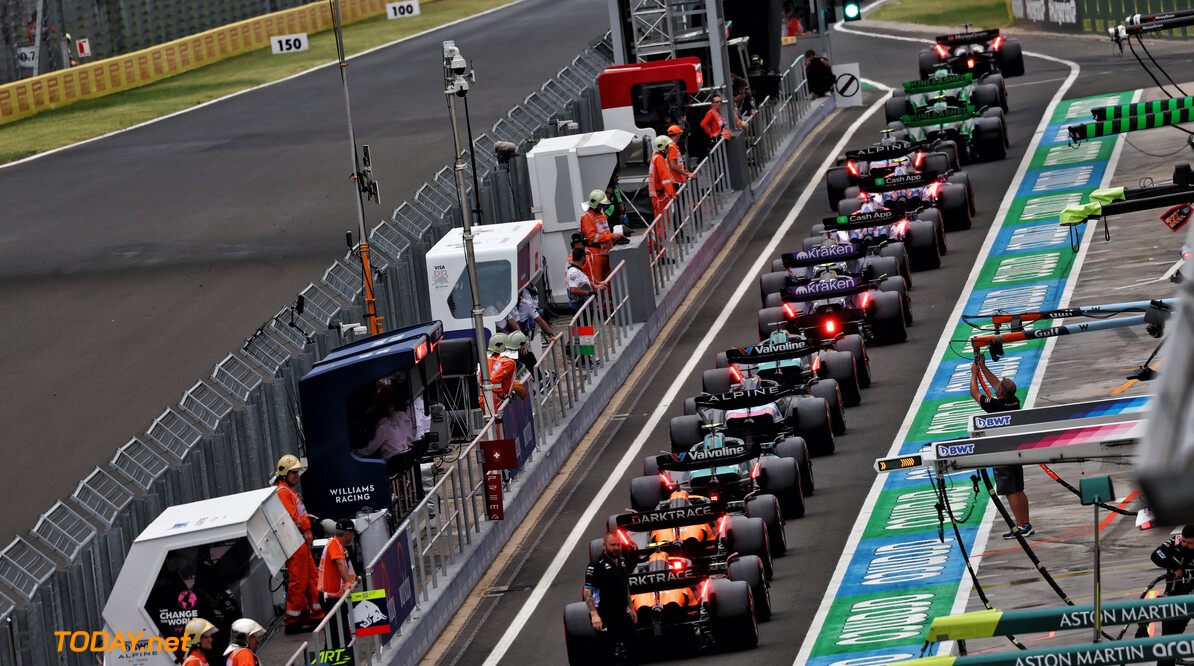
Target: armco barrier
(1094, 16)
(26, 97)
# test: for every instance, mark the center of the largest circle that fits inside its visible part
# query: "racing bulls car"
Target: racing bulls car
(882, 159)
(977, 52)
(981, 134)
(957, 90)
(833, 305)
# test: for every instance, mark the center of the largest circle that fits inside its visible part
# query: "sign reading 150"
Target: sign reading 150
(404, 9)
(289, 43)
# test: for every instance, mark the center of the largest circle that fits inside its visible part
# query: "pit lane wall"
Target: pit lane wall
(27, 97)
(1092, 16)
(895, 575)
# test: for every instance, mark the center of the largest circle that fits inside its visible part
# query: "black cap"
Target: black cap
(578, 238)
(1188, 531)
(345, 525)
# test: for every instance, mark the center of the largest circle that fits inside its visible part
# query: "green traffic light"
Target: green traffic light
(851, 11)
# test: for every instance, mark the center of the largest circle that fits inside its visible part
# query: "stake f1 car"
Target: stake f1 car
(862, 166)
(981, 134)
(979, 52)
(957, 90)
(834, 305)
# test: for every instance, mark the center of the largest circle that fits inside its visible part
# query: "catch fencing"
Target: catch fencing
(229, 428)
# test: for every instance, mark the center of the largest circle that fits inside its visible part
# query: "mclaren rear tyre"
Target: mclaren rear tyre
(750, 570)
(733, 617)
(748, 536)
(646, 492)
(586, 646)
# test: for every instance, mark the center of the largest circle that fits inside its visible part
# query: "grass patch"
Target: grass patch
(94, 117)
(982, 14)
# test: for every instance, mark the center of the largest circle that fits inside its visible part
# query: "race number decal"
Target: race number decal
(404, 9)
(289, 43)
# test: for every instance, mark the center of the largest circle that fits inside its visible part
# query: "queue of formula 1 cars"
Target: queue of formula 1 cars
(708, 514)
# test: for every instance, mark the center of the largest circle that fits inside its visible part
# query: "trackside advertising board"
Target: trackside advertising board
(897, 576)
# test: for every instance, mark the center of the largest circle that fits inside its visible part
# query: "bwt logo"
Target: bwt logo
(992, 421)
(944, 450)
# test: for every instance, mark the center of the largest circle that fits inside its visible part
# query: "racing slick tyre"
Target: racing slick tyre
(998, 82)
(817, 230)
(685, 432)
(780, 477)
(690, 408)
(650, 466)
(837, 179)
(717, 380)
(986, 96)
(750, 570)
(849, 206)
(1011, 58)
(933, 215)
(884, 267)
(595, 548)
(586, 647)
(769, 320)
(777, 266)
(812, 416)
(921, 241)
(771, 283)
(988, 138)
(950, 148)
(896, 108)
(732, 610)
(828, 390)
(938, 162)
(887, 318)
(998, 113)
(774, 300)
(927, 62)
(962, 178)
(646, 492)
(955, 211)
(854, 344)
(839, 365)
(796, 449)
(851, 192)
(898, 252)
(809, 243)
(748, 536)
(721, 360)
(896, 284)
(767, 507)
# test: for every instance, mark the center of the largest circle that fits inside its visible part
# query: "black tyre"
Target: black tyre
(748, 536)
(854, 344)
(921, 241)
(717, 380)
(651, 466)
(839, 365)
(989, 139)
(809, 243)
(887, 314)
(750, 570)
(927, 62)
(897, 285)
(998, 82)
(950, 148)
(775, 300)
(770, 319)
(837, 179)
(771, 283)
(732, 608)
(895, 126)
(1011, 58)
(685, 432)
(849, 206)
(780, 477)
(767, 507)
(595, 548)
(827, 389)
(884, 267)
(895, 108)
(646, 492)
(962, 178)
(898, 252)
(813, 424)
(777, 266)
(936, 162)
(955, 211)
(998, 113)
(690, 408)
(933, 215)
(796, 449)
(816, 230)
(721, 360)
(586, 646)
(986, 96)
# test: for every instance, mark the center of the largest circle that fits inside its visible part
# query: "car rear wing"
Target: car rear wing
(672, 579)
(875, 218)
(938, 83)
(821, 255)
(894, 151)
(968, 37)
(730, 454)
(743, 399)
(816, 291)
(767, 352)
(664, 519)
(951, 115)
(893, 182)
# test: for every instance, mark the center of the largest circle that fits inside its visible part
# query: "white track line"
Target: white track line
(249, 90)
(872, 497)
(748, 281)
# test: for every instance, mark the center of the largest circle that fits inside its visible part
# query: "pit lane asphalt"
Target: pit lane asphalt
(131, 265)
(816, 540)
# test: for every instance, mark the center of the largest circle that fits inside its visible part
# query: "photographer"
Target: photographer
(1176, 557)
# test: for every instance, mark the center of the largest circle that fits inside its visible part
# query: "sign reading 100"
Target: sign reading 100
(404, 9)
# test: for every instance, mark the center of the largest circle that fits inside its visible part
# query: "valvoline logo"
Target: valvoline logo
(819, 254)
(826, 287)
(946, 450)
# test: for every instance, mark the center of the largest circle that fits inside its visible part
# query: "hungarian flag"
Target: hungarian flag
(582, 340)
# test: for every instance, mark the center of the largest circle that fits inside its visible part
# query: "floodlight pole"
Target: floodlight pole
(362, 179)
(457, 75)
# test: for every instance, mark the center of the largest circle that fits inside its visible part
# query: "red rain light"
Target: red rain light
(754, 471)
(998, 42)
(920, 155)
(737, 375)
(853, 169)
(789, 311)
(721, 526)
(941, 50)
(866, 299)
(970, 63)
(667, 481)
(622, 535)
(830, 326)
(901, 227)
(816, 363)
(705, 588)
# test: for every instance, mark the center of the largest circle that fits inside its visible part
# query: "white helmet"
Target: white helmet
(244, 629)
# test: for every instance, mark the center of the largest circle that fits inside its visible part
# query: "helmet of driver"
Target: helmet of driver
(196, 629)
(597, 199)
(497, 343)
(287, 464)
(661, 143)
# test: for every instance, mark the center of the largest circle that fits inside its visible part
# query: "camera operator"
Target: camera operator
(1176, 557)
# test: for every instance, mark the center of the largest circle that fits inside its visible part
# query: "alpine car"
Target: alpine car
(833, 305)
(981, 134)
(973, 52)
(882, 159)
(958, 91)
